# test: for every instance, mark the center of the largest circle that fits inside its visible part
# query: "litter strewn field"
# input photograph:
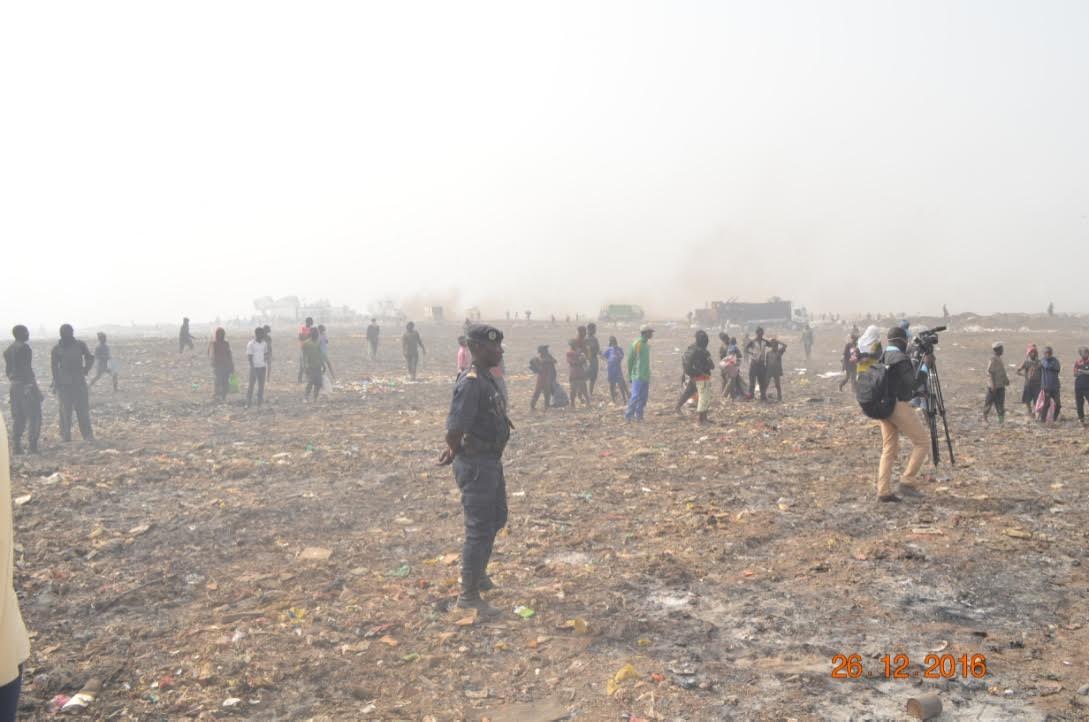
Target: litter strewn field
(299, 561)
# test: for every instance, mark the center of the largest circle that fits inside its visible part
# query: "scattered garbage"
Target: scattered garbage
(85, 697)
(523, 611)
(619, 677)
(925, 706)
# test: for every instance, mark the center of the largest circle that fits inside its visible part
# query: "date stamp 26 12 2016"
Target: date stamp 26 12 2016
(898, 666)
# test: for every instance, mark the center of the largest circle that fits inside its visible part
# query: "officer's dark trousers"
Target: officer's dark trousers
(484, 502)
(73, 397)
(26, 410)
(9, 698)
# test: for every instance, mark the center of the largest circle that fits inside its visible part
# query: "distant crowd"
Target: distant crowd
(747, 369)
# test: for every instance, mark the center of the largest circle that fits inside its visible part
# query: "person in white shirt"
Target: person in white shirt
(257, 353)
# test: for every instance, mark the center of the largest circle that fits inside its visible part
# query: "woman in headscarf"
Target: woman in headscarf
(222, 363)
(1030, 369)
(869, 348)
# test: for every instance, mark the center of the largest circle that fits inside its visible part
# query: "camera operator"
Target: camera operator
(904, 380)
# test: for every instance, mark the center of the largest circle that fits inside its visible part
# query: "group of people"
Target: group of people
(70, 362)
(1043, 384)
(314, 361)
(583, 359)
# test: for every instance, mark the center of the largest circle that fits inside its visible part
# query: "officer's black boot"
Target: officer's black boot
(470, 595)
(486, 584)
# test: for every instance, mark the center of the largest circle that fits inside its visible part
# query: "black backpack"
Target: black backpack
(872, 392)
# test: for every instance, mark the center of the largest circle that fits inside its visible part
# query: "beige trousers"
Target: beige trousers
(703, 388)
(904, 420)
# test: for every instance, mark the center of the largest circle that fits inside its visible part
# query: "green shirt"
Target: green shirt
(312, 359)
(639, 360)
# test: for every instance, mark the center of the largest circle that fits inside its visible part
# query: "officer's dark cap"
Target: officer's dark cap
(484, 332)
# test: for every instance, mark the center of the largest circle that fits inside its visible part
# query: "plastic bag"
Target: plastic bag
(233, 384)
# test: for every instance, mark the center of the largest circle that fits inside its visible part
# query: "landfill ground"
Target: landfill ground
(299, 561)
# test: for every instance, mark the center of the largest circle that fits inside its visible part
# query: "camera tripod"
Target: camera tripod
(935, 407)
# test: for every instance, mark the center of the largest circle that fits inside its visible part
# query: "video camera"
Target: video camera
(925, 341)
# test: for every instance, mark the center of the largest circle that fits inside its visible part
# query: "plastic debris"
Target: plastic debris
(623, 674)
(523, 611)
(315, 554)
(84, 697)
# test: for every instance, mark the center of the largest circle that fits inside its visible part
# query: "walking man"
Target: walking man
(411, 346)
(372, 337)
(477, 431)
(639, 374)
(997, 382)
(185, 339)
(71, 361)
(104, 364)
(23, 393)
(697, 367)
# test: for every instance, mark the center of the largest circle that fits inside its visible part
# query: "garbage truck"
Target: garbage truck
(620, 312)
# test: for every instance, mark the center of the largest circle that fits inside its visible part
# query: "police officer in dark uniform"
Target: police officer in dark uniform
(477, 430)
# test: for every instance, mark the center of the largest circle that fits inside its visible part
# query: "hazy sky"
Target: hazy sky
(161, 159)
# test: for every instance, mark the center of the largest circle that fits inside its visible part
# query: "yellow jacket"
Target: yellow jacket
(14, 644)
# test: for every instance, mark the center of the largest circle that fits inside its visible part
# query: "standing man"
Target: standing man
(268, 352)
(850, 362)
(323, 342)
(1050, 385)
(757, 350)
(544, 366)
(185, 339)
(593, 353)
(902, 379)
(304, 336)
(257, 356)
(314, 363)
(997, 382)
(411, 346)
(1081, 382)
(71, 360)
(477, 431)
(372, 337)
(24, 394)
(807, 341)
(576, 374)
(639, 374)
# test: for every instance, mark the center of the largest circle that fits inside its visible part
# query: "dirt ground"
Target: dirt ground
(298, 561)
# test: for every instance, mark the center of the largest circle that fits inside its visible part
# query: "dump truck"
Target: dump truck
(775, 312)
(620, 312)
